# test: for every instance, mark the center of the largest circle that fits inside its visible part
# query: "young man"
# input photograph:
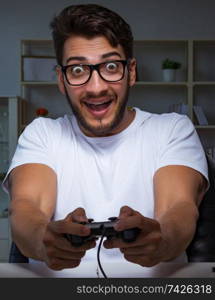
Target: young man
(105, 160)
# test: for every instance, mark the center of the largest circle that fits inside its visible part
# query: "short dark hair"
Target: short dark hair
(91, 20)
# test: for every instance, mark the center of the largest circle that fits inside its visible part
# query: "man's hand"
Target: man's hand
(58, 251)
(149, 247)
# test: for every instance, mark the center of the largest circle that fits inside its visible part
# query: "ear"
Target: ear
(132, 71)
(60, 80)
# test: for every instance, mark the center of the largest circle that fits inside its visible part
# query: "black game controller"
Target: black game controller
(103, 229)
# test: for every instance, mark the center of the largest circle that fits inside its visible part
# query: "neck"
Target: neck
(129, 116)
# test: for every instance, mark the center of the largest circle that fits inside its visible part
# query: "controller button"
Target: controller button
(82, 223)
(112, 218)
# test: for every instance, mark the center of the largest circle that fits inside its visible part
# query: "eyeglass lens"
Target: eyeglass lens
(110, 71)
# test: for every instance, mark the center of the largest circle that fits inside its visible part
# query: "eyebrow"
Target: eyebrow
(83, 58)
(106, 55)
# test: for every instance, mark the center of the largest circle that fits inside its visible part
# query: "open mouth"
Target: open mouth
(98, 106)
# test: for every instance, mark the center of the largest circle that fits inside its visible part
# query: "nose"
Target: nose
(96, 84)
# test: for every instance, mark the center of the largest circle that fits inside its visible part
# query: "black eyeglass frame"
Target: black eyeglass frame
(95, 67)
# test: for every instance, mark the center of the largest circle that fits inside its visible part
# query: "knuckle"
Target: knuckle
(68, 218)
(140, 221)
(78, 211)
(57, 265)
(47, 240)
(126, 210)
(76, 263)
(60, 225)
(127, 256)
(151, 249)
(79, 255)
(123, 250)
(145, 261)
(156, 239)
(54, 265)
(89, 245)
(50, 252)
(150, 262)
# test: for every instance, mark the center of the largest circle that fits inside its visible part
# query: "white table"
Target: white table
(113, 270)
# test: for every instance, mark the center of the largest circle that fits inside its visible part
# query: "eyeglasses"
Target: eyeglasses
(110, 71)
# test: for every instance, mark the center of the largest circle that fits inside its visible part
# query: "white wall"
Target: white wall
(150, 19)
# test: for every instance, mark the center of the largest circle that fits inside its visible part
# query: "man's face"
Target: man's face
(99, 106)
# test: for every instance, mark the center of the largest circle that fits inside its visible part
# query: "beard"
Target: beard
(101, 129)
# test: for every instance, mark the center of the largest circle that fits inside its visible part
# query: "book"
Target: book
(184, 109)
(179, 108)
(199, 114)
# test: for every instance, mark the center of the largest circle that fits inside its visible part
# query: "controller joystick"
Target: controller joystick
(106, 229)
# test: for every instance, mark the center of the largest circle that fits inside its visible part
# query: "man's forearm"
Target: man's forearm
(177, 227)
(28, 225)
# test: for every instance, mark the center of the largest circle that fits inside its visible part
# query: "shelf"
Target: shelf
(204, 56)
(161, 83)
(11, 118)
(205, 127)
(161, 42)
(204, 83)
(37, 42)
(37, 48)
(151, 54)
(38, 56)
(38, 83)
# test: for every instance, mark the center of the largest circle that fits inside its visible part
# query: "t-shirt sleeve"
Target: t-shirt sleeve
(34, 146)
(180, 145)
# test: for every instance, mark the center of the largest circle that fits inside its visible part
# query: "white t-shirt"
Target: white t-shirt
(105, 173)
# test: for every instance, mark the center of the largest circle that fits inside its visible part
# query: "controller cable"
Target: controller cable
(98, 253)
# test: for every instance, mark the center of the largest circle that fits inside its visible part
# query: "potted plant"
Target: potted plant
(169, 69)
